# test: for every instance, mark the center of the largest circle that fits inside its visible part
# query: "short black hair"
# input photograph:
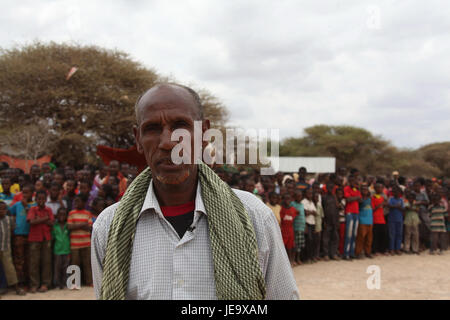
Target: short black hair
(41, 192)
(195, 96)
(82, 196)
(97, 200)
(55, 184)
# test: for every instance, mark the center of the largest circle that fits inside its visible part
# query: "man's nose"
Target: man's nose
(165, 142)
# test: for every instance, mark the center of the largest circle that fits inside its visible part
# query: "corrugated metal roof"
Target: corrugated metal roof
(312, 164)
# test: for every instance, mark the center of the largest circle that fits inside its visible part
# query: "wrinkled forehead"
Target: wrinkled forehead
(169, 98)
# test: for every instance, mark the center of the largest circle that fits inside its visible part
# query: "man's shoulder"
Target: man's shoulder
(105, 218)
(255, 207)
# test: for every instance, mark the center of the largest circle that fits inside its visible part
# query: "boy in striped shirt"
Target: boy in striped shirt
(438, 229)
(79, 222)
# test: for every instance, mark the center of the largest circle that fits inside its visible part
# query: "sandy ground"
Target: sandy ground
(402, 277)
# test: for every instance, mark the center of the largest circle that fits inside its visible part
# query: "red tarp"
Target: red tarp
(24, 164)
(130, 156)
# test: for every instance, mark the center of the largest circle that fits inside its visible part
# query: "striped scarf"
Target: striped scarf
(237, 272)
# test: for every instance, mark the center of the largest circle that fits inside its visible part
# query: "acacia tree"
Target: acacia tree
(95, 105)
(359, 148)
(351, 146)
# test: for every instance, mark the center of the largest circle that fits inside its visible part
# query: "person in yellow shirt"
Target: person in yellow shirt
(273, 204)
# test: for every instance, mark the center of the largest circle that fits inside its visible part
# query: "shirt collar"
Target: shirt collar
(151, 202)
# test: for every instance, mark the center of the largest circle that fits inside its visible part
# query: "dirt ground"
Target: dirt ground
(402, 277)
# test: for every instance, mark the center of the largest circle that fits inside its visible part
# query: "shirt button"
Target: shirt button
(180, 282)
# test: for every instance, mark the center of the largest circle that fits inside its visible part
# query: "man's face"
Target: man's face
(59, 179)
(6, 184)
(40, 199)
(378, 188)
(302, 174)
(249, 185)
(78, 203)
(46, 168)
(286, 199)
(70, 186)
(39, 185)
(416, 187)
(161, 111)
(330, 188)
(113, 168)
(84, 188)
(124, 168)
(54, 192)
(35, 171)
(27, 194)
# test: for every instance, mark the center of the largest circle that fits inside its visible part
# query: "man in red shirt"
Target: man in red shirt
(41, 219)
(352, 197)
(287, 215)
(380, 232)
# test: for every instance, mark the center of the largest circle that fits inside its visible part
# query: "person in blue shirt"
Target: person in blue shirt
(395, 221)
(20, 238)
(365, 228)
(299, 226)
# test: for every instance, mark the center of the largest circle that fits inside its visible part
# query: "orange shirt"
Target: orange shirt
(79, 238)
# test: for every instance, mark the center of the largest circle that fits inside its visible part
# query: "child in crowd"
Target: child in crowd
(287, 215)
(318, 226)
(61, 248)
(86, 188)
(98, 205)
(341, 205)
(364, 237)
(438, 228)
(330, 233)
(6, 226)
(299, 225)
(79, 223)
(20, 238)
(273, 204)
(53, 200)
(352, 196)
(310, 213)
(380, 233)
(7, 196)
(395, 221)
(41, 220)
(412, 222)
(70, 194)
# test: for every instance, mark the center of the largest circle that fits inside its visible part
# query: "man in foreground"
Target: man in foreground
(180, 232)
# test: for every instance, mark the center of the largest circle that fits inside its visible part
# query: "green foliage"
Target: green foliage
(359, 148)
(95, 106)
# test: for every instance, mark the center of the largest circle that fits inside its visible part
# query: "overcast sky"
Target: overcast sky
(380, 65)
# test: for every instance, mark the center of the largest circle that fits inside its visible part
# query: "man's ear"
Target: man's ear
(137, 138)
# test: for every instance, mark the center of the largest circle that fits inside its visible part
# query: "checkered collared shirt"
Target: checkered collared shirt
(165, 267)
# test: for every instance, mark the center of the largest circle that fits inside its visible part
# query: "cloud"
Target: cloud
(380, 65)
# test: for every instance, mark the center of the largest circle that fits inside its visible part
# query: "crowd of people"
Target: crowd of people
(349, 216)
(46, 216)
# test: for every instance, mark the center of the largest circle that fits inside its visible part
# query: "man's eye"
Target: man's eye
(180, 124)
(151, 127)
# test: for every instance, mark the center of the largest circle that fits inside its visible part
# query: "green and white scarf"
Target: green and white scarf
(233, 241)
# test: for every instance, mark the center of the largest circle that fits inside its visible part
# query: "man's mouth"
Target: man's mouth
(166, 164)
